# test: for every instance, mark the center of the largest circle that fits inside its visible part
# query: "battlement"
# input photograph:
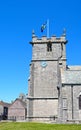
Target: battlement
(44, 39)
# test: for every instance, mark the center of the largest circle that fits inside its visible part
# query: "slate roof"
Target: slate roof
(22, 102)
(72, 75)
(4, 104)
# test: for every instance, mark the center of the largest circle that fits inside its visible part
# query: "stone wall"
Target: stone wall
(71, 94)
(45, 80)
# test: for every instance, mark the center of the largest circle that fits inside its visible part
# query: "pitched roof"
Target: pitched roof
(20, 100)
(4, 104)
(71, 76)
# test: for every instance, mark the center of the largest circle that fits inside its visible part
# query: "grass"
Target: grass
(37, 126)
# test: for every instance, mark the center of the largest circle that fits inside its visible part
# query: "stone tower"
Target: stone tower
(48, 55)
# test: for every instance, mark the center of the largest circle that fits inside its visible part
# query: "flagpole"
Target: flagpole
(47, 28)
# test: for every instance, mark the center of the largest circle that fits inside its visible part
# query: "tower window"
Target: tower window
(49, 46)
(79, 101)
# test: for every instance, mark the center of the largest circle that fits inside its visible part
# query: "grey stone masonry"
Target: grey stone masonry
(47, 55)
(54, 88)
(40, 48)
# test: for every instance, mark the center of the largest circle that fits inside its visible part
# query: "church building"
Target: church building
(54, 91)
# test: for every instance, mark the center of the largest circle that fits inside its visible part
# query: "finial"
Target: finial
(33, 33)
(64, 32)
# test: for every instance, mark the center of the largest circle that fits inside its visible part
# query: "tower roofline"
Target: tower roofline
(44, 39)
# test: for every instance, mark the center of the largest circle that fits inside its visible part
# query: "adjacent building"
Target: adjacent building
(18, 109)
(4, 110)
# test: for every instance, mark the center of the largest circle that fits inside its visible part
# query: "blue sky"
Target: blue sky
(17, 20)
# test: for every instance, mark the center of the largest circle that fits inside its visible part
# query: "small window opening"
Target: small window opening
(49, 46)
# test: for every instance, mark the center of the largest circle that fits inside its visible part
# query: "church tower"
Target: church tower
(43, 96)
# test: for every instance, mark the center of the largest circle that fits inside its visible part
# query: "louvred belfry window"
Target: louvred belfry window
(79, 101)
(49, 46)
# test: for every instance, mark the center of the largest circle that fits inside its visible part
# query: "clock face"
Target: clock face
(43, 63)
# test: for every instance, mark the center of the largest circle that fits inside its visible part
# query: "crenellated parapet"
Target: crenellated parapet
(52, 39)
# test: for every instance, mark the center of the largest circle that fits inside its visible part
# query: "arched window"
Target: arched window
(80, 101)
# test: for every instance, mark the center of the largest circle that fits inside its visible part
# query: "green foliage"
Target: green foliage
(37, 126)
